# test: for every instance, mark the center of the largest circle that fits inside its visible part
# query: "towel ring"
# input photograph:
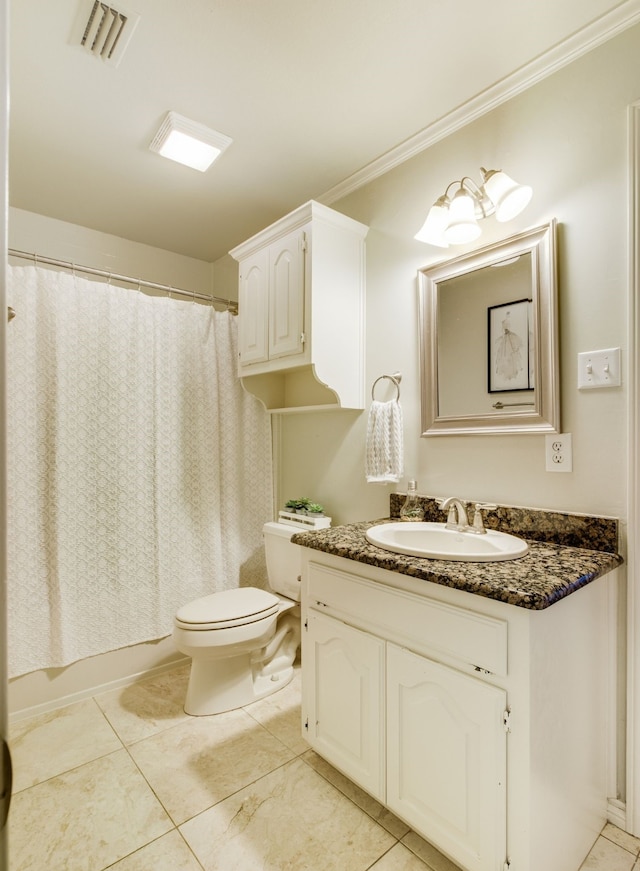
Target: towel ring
(396, 378)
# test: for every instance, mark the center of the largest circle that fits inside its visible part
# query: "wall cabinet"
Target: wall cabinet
(481, 725)
(301, 311)
(271, 302)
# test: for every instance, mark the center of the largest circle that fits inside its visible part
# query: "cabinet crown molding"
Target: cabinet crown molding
(310, 211)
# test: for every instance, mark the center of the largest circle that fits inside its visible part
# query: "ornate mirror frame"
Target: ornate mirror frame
(544, 417)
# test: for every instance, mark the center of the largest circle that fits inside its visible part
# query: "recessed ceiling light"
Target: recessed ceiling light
(188, 142)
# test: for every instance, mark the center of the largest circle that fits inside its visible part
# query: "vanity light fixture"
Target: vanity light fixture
(453, 219)
(188, 142)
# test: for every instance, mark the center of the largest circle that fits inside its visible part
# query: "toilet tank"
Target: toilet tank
(284, 560)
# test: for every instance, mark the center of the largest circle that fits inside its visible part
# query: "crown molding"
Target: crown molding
(598, 32)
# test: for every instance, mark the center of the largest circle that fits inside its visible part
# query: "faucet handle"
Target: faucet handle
(478, 523)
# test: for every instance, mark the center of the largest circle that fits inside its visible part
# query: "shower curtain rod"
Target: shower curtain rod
(230, 304)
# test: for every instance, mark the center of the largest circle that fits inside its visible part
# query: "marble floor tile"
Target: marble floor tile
(612, 833)
(85, 819)
(432, 858)
(200, 762)
(49, 744)
(290, 819)
(358, 796)
(607, 856)
(399, 858)
(168, 853)
(147, 707)
(233, 781)
(280, 714)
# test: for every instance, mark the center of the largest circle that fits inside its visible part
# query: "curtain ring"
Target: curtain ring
(396, 378)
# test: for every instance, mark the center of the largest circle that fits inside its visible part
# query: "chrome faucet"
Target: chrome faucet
(457, 516)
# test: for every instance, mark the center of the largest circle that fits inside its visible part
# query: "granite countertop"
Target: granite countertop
(549, 571)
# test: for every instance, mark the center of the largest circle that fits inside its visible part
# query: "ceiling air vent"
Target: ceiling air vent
(108, 31)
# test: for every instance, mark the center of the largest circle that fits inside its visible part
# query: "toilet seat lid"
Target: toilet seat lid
(228, 608)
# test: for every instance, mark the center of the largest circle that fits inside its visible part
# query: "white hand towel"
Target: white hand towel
(384, 459)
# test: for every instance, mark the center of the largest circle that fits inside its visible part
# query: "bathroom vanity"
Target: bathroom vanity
(470, 699)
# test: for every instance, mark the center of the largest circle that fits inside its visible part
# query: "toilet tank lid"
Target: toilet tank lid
(229, 605)
(282, 529)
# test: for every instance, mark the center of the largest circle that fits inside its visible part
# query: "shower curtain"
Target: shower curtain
(139, 469)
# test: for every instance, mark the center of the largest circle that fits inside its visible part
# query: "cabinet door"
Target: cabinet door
(253, 302)
(345, 696)
(286, 296)
(446, 770)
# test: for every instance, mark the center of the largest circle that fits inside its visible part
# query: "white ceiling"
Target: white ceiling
(317, 95)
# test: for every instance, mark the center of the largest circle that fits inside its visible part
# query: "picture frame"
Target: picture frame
(509, 346)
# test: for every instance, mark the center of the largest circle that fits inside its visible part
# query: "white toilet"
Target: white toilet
(243, 642)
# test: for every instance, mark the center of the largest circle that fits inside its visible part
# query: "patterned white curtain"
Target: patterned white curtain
(139, 469)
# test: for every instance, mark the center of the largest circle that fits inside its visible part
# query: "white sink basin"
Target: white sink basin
(435, 541)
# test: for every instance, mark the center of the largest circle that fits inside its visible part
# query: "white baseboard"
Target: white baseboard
(617, 813)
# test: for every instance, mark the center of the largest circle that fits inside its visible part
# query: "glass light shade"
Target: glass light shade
(509, 197)
(189, 151)
(463, 226)
(432, 231)
(188, 142)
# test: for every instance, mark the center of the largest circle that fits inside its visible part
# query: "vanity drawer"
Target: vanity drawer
(422, 624)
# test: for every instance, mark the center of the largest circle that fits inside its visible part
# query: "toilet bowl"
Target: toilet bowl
(243, 642)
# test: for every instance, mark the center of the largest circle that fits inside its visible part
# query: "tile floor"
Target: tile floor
(127, 781)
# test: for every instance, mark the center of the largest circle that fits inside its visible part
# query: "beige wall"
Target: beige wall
(225, 277)
(70, 242)
(567, 137)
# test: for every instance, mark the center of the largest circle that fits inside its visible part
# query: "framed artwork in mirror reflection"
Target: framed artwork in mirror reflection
(510, 346)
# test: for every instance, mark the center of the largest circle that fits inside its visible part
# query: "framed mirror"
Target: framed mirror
(489, 339)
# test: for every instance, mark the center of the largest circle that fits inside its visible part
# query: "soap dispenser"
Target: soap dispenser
(412, 509)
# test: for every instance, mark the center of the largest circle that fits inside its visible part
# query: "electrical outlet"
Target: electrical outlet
(559, 452)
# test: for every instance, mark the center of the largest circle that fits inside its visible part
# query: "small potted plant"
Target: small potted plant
(297, 506)
(316, 509)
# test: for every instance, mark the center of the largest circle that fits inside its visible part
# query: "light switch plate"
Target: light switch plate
(599, 369)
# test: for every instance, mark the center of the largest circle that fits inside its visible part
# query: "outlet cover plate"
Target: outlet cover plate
(599, 369)
(559, 452)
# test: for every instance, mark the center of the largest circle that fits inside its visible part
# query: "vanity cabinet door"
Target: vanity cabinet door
(446, 763)
(345, 699)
